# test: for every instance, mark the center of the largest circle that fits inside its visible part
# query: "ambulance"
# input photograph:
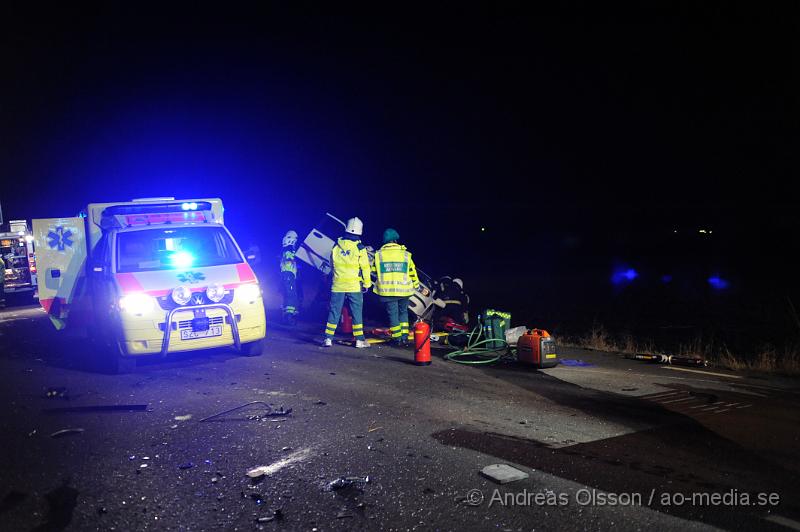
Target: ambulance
(150, 276)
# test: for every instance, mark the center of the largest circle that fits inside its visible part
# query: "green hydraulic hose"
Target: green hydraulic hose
(481, 355)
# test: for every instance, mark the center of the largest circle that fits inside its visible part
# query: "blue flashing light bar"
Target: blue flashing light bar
(153, 208)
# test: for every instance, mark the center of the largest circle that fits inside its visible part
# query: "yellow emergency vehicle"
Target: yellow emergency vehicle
(149, 276)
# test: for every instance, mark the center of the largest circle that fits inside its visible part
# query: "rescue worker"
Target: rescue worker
(456, 301)
(396, 280)
(289, 277)
(350, 270)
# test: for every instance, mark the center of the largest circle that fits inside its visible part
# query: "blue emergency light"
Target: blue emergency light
(153, 208)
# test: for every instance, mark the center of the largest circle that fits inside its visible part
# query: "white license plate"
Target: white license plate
(188, 334)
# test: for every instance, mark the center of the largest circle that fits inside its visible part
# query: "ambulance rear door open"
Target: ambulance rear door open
(60, 260)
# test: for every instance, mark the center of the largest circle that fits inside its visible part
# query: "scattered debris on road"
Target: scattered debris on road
(503, 474)
(95, 408)
(277, 515)
(266, 406)
(346, 482)
(66, 432)
(297, 456)
(186, 417)
(59, 392)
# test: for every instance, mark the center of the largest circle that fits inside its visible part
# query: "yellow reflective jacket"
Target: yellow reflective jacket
(395, 271)
(288, 263)
(350, 266)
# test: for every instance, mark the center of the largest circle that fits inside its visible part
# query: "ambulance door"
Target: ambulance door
(60, 262)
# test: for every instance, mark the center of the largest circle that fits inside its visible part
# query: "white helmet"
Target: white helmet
(459, 282)
(354, 226)
(289, 239)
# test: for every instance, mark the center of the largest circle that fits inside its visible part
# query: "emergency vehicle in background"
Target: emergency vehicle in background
(149, 276)
(19, 259)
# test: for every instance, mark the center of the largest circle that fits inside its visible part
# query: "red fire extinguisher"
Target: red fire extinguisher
(422, 343)
(346, 321)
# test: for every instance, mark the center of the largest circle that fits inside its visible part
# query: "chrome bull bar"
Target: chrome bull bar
(223, 306)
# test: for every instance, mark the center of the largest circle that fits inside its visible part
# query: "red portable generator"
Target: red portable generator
(537, 347)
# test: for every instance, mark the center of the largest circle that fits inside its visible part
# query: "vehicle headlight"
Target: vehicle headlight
(181, 295)
(215, 292)
(248, 292)
(137, 303)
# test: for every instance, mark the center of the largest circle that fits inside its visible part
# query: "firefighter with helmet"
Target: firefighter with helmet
(455, 301)
(350, 269)
(396, 280)
(289, 277)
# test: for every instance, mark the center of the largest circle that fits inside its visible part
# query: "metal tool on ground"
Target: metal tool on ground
(422, 343)
(269, 411)
(537, 348)
(674, 360)
(647, 357)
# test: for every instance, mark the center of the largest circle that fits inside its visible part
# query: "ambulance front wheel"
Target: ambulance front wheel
(112, 358)
(253, 349)
(121, 364)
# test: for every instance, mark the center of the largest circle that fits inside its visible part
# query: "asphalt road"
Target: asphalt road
(607, 442)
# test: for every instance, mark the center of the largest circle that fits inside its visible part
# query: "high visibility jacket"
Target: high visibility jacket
(288, 262)
(350, 266)
(395, 271)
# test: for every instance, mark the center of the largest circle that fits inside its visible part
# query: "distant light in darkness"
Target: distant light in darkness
(624, 275)
(717, 283)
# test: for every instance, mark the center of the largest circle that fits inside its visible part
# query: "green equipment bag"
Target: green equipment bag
(495, 324)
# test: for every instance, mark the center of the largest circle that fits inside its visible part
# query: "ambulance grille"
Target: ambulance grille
(187, 324)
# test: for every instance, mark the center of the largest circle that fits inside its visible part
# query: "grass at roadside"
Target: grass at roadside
(769, 359)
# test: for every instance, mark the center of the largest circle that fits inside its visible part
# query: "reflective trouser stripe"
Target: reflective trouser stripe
(330, 329)
(404, 328)
(358, 330)
(395, 331)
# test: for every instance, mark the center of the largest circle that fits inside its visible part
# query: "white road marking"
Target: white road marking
(664, 394)
(745, 406)
(678, 400)
(783, 521)
(704, 372)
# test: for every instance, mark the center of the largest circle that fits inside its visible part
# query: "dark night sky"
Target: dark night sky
(589, 127)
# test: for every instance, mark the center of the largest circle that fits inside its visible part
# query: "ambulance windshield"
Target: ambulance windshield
(179, 248)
